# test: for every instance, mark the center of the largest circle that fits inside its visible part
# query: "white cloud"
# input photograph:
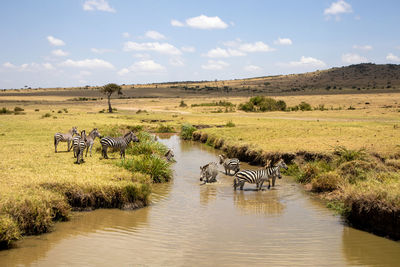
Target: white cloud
(393, 57)
(154, 35)
(283, 41)
(177, 62)
(353, 58)
(126, 34)
(31, 67)
(101, 50)
(189, 49)
(363, 47)
(233, 43)
(59, 53)
(54, 41)
(307, 61)
(252, 68)
(143, 67)
(88, 63)
(177, 23)
(101, 5)
(202, 22)
(163, 48)
(255, 47)
(215, 65)
(9, 65)
(141, 56)
(220, 52)
(338, 8)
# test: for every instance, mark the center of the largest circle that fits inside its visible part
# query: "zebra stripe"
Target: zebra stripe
(66, 137)
(117, 142)
(258, 177)
(229, 164)
(79, 147)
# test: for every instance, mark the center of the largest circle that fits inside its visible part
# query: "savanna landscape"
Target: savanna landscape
(334, 201)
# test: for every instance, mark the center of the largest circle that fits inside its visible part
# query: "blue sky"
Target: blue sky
(59, 43)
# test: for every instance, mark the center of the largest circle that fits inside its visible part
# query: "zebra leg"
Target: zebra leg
(273, 181)
(260, 186)
(68, 143)
(55, 145)
(269, 183)
(226, 170)
(104, 151)
(87, 148)
(234, 184)
(241, 185)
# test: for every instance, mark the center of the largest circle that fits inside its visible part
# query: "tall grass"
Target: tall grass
(187, 131)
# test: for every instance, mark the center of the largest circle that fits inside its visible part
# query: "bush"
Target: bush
(36, 109)
(165, 129)
(147, 146)
(182, 104)
(155, 166)
(263, 104)
(46, 115)
(187, 131)
(304, 106)
(18, 109)
(345, 155)
(328, 181)
(230, 124)
(5, 111)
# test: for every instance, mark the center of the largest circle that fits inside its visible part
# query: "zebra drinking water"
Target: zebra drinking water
(120, 142)
(258, 177)
(80, 147)
(67, 137)
(229, 164)
(209, 172)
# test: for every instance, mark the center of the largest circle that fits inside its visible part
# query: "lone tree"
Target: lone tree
(108, 90)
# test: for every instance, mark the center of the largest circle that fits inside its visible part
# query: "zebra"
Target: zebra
(67, 137)
(90, 140)
(80, 147)
(258, 177)
(229, 164)
(120, 142)
(169, 155)
(209, 172)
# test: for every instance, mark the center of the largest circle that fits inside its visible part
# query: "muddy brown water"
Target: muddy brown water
(189, 224)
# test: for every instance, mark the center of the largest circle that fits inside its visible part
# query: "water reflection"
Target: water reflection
(259, 203)
(208, 193)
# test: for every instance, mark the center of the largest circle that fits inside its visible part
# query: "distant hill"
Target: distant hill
(359, 78)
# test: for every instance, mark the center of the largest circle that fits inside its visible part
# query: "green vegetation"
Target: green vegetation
(182, 104)
(262, 104)
(230, 124)
(165, 129)
(187, 131)
(222, 103)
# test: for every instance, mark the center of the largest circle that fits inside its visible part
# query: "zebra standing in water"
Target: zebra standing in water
(259, 176)
(229, 164)
(120, 142)
(80, 147)
(67, 137)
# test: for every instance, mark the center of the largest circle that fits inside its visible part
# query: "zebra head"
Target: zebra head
(74, 131)
(83, 135)
(95, 133)
(131, 137)
(203, 172)
(281, 164)
(221, 159)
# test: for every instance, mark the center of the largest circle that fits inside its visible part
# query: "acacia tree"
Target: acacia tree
(108, 90)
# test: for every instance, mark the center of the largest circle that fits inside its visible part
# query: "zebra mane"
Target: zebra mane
(126, 135)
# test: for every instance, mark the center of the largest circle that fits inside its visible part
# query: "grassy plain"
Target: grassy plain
(33, 173)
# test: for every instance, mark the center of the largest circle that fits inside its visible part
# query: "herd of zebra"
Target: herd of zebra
(209, 172)
(80, 142)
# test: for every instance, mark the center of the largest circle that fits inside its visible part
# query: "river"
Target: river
(189, 224)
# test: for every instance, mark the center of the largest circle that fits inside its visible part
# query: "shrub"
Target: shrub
(182, 104)
(36, 109)
(153, 165)
(304, 106)
(263, 104)
(345, 155)
(18, 109)
(230, 124)
(9, 230)
(5, 111)
(46, 115)
(147, 146)
(60, 111)
(165, 129)
(356, 170)
(328, 181)
(65, 110)
(187, 131)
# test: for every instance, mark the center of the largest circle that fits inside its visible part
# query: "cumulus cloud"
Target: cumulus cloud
(306, 62)
(353, 58)
(215, 65)
(252, 68)
(142, 67)
(393, 57)
(126, 34)
(220, 52)
(9, 65)
(54, 41)
(88, 64)
(101, 50)
(283, 41)
(177, 23)
(31, 67)
(202, 22)
(154, 35)
(338, 8)
(189, 49)
(163, 48)
(59, 53)
(255, 47)
(363, 47)
(101, 5)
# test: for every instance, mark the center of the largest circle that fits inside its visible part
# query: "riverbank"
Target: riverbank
(40, 187)
(363, 187)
